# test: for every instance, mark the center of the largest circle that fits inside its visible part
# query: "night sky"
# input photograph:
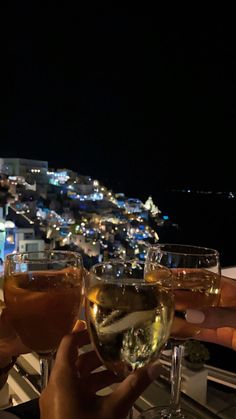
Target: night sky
(128, 99)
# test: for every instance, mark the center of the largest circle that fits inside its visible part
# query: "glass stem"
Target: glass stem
(175, 376)
(45, 364)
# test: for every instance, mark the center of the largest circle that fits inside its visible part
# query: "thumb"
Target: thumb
(213, 317)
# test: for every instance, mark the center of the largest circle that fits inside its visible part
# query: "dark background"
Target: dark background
(133, 100)
(142, 103)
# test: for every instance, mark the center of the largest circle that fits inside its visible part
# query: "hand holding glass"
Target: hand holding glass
(43, 294)
(196, 272)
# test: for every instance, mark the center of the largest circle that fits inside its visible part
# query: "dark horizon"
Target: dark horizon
(121, 98)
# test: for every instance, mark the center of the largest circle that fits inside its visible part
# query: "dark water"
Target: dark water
(204, 220)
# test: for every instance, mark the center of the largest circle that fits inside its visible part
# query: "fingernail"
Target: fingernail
(154, 370)
(194, 316)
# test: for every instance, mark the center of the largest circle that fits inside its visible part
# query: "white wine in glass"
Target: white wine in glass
(129, 316)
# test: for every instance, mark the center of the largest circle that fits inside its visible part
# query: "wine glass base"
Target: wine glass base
(164, 412)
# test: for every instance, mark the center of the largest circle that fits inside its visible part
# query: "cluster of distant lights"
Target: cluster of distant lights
(35, 170)
(91, 197)
(230, 194)
(62, 177)
(86, 231)
(130, 235)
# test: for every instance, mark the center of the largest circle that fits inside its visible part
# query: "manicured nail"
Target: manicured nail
(194, 316)
(154, 370)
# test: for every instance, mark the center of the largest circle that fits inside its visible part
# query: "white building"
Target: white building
(31, 245)
(89, 247)
(26, 242)
(22, 167)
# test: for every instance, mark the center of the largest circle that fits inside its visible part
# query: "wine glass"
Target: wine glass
(197, 274)
(43, 293)
(129, 316)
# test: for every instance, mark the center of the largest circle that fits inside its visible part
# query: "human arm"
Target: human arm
(72, 387)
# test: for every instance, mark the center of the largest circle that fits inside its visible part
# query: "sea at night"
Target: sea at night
(204, 218)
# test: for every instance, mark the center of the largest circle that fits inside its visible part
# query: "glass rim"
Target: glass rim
(208, 251)
(130, 281)
(12, 256)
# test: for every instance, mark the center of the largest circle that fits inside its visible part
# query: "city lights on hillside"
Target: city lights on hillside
(75, 210)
